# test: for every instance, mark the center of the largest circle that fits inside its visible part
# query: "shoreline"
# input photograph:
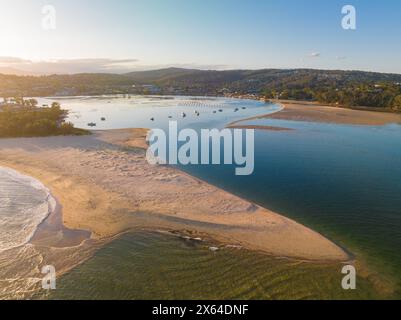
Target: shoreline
(51, 232)
(217, 213)
(306, 111)
(48, 229)
(239, 97)
(50, 201)
(316, 112)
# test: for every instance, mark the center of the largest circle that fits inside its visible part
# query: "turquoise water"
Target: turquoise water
(343, 181)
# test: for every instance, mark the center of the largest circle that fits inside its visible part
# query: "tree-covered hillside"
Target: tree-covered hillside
(347, 88)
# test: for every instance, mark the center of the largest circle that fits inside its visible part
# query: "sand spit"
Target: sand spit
(314, 112)
(106, 186)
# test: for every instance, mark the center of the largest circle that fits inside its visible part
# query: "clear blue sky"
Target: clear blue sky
(218, 34)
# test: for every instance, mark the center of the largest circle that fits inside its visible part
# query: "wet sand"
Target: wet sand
(53, 233)
(106, 187)
(258, 127)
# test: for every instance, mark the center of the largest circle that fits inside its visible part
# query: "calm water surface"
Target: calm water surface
(158, 266)
(344, 181)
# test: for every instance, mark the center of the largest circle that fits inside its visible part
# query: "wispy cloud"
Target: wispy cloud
(67, 66)
(12, 60)
(314, 55)
(14, 65)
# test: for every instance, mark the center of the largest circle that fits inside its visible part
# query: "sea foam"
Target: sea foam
(24, 204)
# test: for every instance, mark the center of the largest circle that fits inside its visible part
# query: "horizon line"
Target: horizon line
(32, 74)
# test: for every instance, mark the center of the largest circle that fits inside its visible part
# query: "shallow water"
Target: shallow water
(145, 265)
(122, 112)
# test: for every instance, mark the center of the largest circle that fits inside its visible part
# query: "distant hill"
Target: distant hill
(161, 74)
(14, 71)
(262, 77)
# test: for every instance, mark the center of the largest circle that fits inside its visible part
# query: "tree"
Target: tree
(33, 103)
(268, 94)
(397, 103)
(33, 121)
(19, 100)
(285, 94)
(56, 105)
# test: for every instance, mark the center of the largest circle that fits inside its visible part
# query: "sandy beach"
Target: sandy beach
(236, 125)
(105, 186)
(315, 112)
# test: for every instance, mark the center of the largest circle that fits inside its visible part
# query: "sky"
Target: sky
(128, 35)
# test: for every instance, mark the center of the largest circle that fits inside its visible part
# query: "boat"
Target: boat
(103, 119)
(91, 124)
(183, 114)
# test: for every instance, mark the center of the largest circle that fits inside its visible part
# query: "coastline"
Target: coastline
(136, 195)
(315, 112)
(39, 218)
(306, 111)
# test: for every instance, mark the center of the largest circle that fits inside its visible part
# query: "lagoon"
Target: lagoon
(342, 180)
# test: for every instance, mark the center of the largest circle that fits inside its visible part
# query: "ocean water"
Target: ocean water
(24, 204)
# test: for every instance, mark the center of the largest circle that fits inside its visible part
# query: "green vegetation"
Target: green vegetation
(23, 118)
(384, 96)
(336, 87)
(397, 103)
